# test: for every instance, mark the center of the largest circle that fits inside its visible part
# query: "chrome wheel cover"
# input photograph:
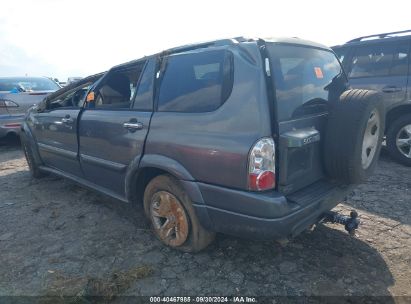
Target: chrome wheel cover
(370, 139)
(403, 141)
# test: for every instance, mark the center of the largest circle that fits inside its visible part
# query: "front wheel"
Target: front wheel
(33, 167)
(172, 216)
(399, 140)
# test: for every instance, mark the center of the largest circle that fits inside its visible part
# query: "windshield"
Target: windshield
(304, 77)
(341, 52)
(27, 84)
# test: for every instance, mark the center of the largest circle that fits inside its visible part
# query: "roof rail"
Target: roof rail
(383, 35)
(190, 47)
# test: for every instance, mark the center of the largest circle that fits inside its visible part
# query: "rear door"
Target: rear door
(55, 129)
(113, 128)
(305, 79)
(382, 67)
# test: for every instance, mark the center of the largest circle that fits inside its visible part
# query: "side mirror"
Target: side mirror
(41, 106)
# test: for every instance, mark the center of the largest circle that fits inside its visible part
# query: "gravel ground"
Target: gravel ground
(57, 238)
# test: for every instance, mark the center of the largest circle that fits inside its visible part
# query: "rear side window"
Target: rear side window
(380, 60)
(196, 82)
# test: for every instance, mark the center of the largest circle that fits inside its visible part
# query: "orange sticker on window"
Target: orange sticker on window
(90, 97)
(318, 72)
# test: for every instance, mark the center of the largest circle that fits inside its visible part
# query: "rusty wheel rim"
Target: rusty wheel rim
(169, 219)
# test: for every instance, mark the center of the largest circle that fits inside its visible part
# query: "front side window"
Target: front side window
(71, 99)
(196, 82)
(306, 78)
(379, 60)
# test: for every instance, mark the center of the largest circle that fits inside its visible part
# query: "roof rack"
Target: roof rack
(384, 35)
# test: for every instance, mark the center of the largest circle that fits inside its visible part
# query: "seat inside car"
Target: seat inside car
(116, 92)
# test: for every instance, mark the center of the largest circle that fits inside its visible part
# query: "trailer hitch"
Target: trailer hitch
(350, 223)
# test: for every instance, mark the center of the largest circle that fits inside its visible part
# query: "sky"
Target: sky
(65, 38)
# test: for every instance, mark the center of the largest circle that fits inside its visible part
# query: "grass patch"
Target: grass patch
(82, 290)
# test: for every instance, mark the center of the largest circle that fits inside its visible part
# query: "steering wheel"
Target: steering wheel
(20, 88)
(71, 102)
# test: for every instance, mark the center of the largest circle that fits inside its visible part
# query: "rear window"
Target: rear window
(27, 84)
(196, 82)
(305, 79)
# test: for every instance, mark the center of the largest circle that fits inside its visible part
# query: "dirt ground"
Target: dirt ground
(58, 238)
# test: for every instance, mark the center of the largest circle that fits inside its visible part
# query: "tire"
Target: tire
(33, 166)
(166, 204)
(400, 129)
(353, 137)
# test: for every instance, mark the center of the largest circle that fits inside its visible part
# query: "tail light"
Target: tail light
(5, 103)
(261, 165)
(12, 125)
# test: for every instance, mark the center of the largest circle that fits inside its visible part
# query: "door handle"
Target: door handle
(67, 120)
(391, 89)
(133, 126)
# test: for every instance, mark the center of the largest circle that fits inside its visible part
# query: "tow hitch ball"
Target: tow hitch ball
(350, 223)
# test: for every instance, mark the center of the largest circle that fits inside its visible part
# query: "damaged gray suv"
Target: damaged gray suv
(249, 137)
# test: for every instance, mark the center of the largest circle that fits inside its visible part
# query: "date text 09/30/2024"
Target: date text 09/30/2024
(236, 299)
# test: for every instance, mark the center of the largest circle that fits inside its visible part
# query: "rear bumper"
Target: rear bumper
(10, 124)
(267, 215)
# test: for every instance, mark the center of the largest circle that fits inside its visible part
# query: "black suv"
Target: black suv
(255, 138)
(382, 62)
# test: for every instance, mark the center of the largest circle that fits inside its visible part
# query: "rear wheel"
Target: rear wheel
(353, 136)
(399, 140)
(172, 216)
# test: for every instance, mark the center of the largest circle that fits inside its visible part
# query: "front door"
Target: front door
(55, 129)
(113, 128)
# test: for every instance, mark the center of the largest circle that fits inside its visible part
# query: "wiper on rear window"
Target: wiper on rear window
(313, 106)
(333, 80)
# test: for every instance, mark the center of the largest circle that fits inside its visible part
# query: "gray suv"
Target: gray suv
(381, 62)
(254, 138)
